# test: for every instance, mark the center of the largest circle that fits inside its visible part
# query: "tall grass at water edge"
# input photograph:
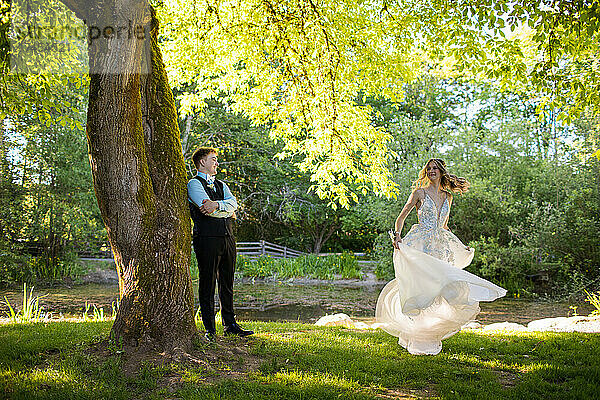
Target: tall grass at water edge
(594, 300)
(31, 310)
(98, 313)
(343, 266)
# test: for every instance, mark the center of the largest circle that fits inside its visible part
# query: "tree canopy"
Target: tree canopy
(302, 68)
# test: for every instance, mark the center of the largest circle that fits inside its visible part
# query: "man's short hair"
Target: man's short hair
(201, 153)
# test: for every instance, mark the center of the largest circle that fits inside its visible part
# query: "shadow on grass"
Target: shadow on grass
(295, 361)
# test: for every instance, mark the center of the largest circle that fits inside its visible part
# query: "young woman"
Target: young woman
(431, 296)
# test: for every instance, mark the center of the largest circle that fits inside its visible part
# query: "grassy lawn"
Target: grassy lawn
(65, 360)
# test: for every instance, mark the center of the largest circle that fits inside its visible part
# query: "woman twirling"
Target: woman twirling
(431, 296)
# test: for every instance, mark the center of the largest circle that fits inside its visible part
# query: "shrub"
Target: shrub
(16, 266)
(12, 267)
(383, 253)
(308, 266)
(508, 267)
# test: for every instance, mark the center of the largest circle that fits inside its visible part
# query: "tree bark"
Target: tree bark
(139, 174)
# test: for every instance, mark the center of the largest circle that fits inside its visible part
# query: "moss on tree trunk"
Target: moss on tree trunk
(139, 176)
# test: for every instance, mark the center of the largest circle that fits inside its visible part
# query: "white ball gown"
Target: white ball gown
(431, 297)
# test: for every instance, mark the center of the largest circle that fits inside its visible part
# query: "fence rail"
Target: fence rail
(262, 248)
(248, 249)
(338, 254)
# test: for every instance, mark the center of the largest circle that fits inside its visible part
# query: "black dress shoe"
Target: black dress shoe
(235, 329)
(211, 336)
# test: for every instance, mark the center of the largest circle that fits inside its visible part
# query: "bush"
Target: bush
(508, 267)
(52, 269)
(383, 253)
(309, 266)
(16, 266)
(12, 267)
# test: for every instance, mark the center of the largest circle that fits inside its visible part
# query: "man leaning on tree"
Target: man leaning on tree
(212, 208)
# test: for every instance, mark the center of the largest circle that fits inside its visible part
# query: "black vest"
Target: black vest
(210, 226)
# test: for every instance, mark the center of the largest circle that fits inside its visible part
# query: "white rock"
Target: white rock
(588, 325)
(361, 325)
(504, 326)
(566, 324)
(335, 320)
(549, 324)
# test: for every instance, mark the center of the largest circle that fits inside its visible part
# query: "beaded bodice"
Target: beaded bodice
(428, 235)
(429, 216)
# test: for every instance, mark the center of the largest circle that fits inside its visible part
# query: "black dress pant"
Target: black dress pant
(216, 262)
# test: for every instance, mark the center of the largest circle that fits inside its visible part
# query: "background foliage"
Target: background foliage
(341, 104)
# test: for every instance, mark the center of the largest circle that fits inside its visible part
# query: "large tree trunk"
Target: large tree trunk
(139, 174)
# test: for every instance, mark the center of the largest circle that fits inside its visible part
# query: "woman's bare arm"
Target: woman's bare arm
(413, 200)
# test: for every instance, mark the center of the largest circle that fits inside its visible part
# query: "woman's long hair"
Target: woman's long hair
(448, 182)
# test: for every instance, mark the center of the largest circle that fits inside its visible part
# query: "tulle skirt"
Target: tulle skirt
(431, 299)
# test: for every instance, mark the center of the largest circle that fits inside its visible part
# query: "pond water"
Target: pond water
(286, 302)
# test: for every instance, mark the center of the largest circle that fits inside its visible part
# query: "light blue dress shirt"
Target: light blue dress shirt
(197, 194)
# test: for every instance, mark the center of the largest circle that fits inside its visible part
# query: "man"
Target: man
(212, 207)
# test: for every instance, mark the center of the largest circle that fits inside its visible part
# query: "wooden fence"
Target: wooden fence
(262, 248)
(249, 249)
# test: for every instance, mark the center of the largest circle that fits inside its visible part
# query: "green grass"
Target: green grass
(295, 361)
